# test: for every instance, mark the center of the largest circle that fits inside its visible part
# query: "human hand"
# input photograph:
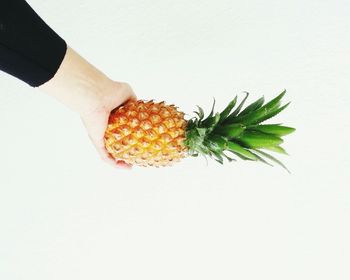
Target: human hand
(115, 94)
(90, 93)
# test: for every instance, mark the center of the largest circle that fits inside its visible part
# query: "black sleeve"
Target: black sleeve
(29, 49)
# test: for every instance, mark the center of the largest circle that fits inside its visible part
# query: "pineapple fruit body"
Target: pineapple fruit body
(146, 133)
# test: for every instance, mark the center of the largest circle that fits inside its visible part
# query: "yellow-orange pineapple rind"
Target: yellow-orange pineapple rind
(146, 134)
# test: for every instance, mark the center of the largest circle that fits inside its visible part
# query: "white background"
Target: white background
(64, 214)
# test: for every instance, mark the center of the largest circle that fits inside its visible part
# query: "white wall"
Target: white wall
(64, 214)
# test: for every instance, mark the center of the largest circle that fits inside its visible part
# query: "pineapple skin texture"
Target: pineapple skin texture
(146, 133)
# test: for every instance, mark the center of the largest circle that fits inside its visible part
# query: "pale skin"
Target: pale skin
(90, 93)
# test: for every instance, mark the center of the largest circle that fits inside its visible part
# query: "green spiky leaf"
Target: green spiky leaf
(230, 130)
(252, 107)
(234, 147)
(260, 114)
(211, 122)
(238, 109)
(218, 157)
(272, 158)
(212, 109)
(271, 114)
(228, 109)
(217, 141)
(228, 158)
(255, 139)
(261, 159)
(275, 129)
(277, 149)
(275, 101)
(200, 113)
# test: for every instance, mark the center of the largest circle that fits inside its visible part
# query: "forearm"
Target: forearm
(77, 84)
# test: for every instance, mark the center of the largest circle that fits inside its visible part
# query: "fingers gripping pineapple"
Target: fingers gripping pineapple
(155, 134)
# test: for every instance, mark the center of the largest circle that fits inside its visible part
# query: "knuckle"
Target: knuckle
(126, 85)
(127, 88)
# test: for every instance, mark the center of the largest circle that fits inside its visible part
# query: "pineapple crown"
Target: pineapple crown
(238, 132)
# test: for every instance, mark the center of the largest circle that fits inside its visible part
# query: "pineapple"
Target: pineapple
(146, 133)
